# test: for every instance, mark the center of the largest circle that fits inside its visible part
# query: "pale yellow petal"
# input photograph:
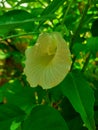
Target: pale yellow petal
(48, 61)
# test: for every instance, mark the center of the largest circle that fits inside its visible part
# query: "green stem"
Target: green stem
(86, 62)
(74, 58)
(67, 10)
(41, 3)
(64, 17)
(76, 33)
(48, 98)
(17, 35)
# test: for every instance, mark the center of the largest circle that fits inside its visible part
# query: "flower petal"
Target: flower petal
(48, 61)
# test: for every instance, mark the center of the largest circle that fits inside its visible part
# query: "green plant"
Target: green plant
(72, 104)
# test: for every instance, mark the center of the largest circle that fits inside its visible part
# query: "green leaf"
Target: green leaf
(55, 93)
(15, 125)
(75, 124)
(8, 114)
(81, 96)
(3, 55)
(68, 111)
(96, 117)
(44, 118)
(26, 1)
(13, 19)
(1, 95)
(36, 11)
(16, 94)
(19, 19)
(94, 28)
(92, 44)
(52, 7)
(77, 48)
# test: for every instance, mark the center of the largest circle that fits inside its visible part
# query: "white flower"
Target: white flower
(48, 61)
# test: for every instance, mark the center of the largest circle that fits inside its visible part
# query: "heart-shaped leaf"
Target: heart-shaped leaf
(44, 118)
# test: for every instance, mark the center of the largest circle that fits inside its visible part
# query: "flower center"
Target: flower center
(51, 50)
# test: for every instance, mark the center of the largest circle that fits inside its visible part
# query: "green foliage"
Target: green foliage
(81, 97)
(14, 19)
(92, 44)
(44, 117)
(9, 114)
(73, 104)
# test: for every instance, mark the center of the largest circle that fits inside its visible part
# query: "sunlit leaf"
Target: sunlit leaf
(53, 6)
(19, 19)
(13, 19)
